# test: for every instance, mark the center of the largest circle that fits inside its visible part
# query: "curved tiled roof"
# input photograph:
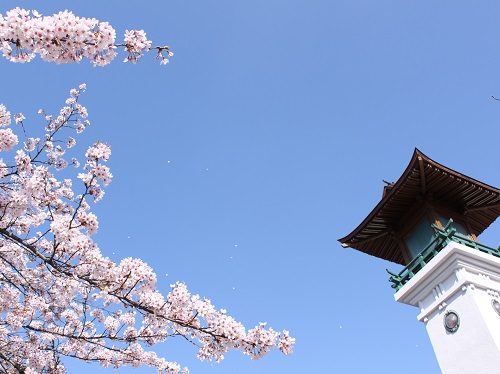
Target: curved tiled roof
(479, 202)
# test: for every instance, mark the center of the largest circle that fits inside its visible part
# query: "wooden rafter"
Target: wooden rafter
(482, 207)
(383, 233)
(422, 174)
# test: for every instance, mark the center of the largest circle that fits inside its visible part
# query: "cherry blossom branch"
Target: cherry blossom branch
(64, 38)
(123, 299)
(59, 296)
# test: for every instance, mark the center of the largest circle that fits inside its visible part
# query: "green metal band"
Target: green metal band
(443, 237)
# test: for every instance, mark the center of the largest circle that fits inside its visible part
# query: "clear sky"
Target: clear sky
(239, 165)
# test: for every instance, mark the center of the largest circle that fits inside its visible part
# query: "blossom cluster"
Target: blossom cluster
(64, 37)
(60, 296)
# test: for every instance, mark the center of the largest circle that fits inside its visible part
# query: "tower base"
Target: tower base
(464, 282)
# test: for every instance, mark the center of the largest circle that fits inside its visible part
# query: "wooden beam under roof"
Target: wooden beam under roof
(422, 175)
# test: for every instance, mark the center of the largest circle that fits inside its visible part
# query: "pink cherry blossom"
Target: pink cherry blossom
(4, 116)
(7, 139)
(59, 295)
(18, 118)
(65, 37)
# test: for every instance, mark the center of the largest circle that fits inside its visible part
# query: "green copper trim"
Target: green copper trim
(443, 237)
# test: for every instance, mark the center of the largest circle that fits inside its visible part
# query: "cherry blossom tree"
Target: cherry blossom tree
(64, 37)
(59, 295)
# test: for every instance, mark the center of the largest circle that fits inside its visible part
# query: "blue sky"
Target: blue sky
(265, 140)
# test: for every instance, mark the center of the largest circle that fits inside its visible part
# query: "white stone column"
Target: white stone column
(465, 281)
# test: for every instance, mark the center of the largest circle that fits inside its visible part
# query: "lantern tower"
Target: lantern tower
(429, 221)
